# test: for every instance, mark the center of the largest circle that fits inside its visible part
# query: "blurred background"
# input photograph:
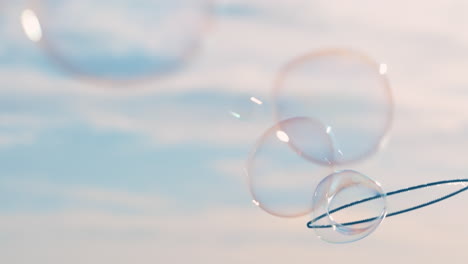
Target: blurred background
(113, 153)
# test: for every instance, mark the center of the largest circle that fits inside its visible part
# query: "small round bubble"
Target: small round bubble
(339, 208)
(281, 181)
(347, 91)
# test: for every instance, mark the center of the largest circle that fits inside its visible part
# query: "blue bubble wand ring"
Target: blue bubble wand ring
(311, 224)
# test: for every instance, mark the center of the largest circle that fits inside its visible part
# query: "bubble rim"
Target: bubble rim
(366, 231)
(311, 225)
(251, 157)
(67, 66)
(347, 52)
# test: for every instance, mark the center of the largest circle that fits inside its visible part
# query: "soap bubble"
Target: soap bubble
(121, 40)
(346, 91)
(281, 181)
(338, 206)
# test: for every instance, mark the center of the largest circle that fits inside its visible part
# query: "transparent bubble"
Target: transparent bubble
(344, 222)
(346, 91)
(121, 40)
(281, 181)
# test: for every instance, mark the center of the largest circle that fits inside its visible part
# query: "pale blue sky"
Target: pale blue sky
(152, 173)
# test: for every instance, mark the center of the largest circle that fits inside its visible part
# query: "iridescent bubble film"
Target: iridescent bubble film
(282, 182)
(346, 90)
(340, 221)
(118, 42)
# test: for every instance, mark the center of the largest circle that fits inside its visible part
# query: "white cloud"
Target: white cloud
(21, 129)
(226, 235)
(176, 125)
(13, 139)
(426, 64)
(97, 196)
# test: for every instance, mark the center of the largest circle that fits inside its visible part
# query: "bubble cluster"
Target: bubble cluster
(332, 107)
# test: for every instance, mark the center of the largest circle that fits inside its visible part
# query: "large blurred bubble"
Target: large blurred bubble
(119, 40)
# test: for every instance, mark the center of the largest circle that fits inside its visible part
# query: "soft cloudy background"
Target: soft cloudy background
(152, 173)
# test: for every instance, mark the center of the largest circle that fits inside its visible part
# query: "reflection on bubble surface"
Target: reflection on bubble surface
(31, 26)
